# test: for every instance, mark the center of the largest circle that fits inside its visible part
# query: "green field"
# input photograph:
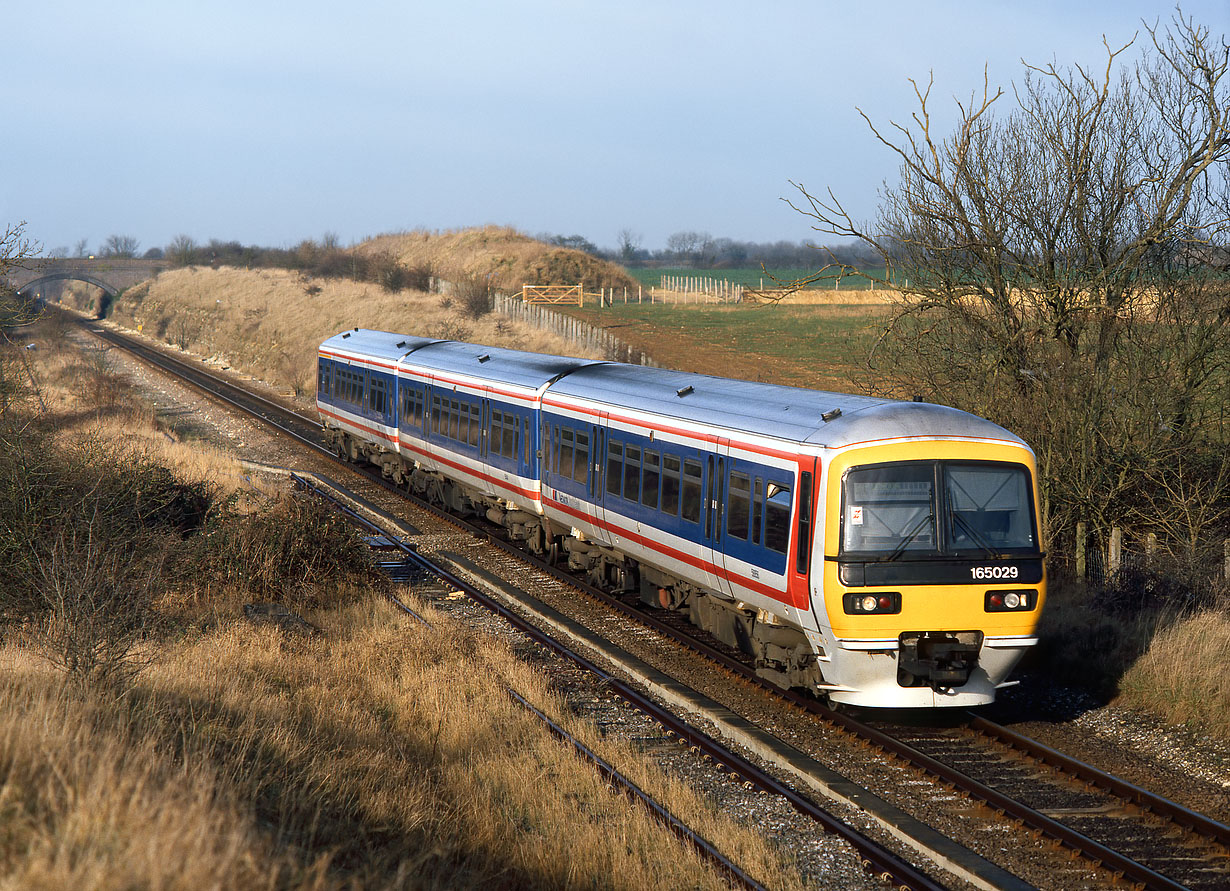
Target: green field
(824, 346)
(749, 277)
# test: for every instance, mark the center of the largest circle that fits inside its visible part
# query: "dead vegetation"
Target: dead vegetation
(509, 258)
(221, 754)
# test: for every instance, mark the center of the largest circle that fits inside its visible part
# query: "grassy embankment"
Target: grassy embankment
(374, 754)
(269, 322)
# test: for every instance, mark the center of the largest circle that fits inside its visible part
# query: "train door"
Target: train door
(799, 569)
(589, 445)
(714, 518)
(525, 450)
(570, 478)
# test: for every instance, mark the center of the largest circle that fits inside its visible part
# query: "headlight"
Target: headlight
(1010, 601)
(881, 603)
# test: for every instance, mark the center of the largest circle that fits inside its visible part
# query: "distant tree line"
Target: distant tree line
(321, 259)
(700, 250)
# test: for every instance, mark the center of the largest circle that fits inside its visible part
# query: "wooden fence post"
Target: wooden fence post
(1115, 556)
(1080, 549)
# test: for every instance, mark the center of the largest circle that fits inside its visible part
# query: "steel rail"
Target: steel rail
(368, 526)
(635, 793)
(1143, 798)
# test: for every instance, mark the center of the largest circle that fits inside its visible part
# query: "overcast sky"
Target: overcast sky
(270, 122)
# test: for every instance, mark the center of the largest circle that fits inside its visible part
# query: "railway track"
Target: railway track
(1128, 832)
(875, 857)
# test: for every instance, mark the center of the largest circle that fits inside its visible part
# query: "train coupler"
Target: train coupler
(941, 660)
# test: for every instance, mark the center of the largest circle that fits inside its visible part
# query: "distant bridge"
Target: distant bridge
(112, 274)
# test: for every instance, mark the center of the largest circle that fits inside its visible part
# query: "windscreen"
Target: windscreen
(988, 508)
(923, 508)
(890, 508)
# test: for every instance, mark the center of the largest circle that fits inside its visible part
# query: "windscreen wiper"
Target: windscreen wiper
(914, 533)
(974, 534)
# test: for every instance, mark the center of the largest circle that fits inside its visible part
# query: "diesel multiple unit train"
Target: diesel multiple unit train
(879, 552)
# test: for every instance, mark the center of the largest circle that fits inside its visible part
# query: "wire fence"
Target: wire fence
(587, 337)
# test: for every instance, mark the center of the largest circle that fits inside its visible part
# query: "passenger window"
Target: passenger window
(525, 441)
(566, 445)
(555, 449)
(476, 423)
(463, 422)
(670, 485)
(632, 473)
(454, 414)
(508, 447)
(435, 414)
(650, 478)
(614, 467)
(691, 490)
(777, 517)
(580, 466)
(758, 513)
(739, 504)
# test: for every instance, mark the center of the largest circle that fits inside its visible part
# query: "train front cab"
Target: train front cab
(928, 579)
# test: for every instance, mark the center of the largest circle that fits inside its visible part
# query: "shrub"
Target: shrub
(475, 294)
(92, 596)
(292, 551)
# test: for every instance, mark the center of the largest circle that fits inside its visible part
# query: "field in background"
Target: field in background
(754, 276)
(823, 347)
(269, 322)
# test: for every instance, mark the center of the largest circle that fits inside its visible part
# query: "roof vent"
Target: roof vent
(344, 336)
(683, 391)
(830, 415)
(485, 357)
(401, 344)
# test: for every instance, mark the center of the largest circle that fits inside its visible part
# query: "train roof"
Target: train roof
(790, 413)
(495, 364)
(787, 413)
(375, 344)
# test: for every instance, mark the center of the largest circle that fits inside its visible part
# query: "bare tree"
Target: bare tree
(182, 251)
(629, 244)
(120, 246)
(16, 250)
(82, 248)
(1060, 268)
(691, 247)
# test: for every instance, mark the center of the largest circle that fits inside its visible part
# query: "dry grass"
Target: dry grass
(1180, 677)
(381, 754)
(511, 258)
(86, 399)
(378, 754)
(1160, 660)
(267, 323)
(826, 296)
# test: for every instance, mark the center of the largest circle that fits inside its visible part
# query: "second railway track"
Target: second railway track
(1125, 830)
